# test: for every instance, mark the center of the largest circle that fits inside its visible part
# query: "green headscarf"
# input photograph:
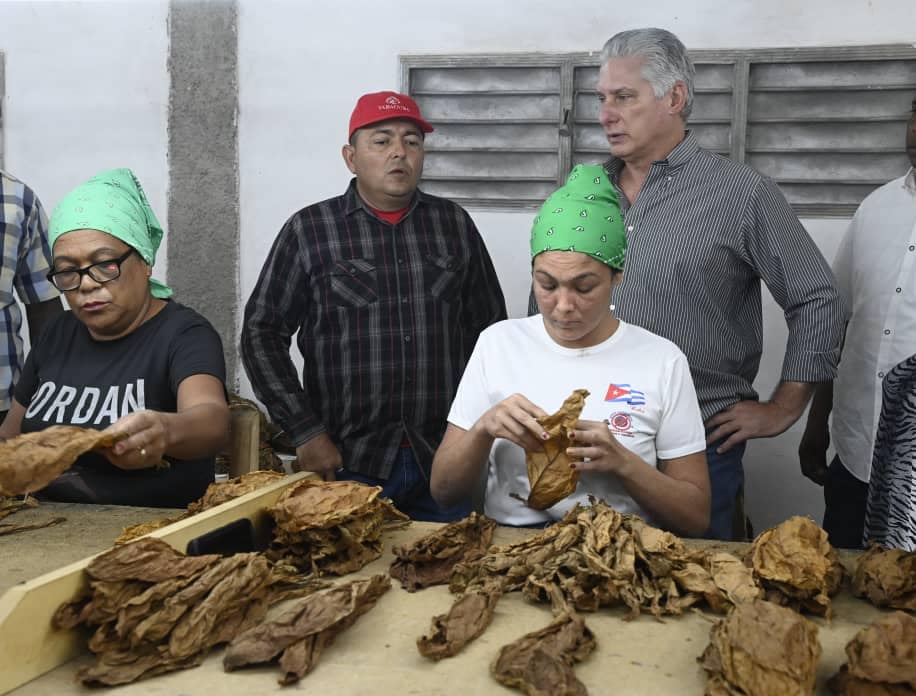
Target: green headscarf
(113, 202)
(583, 215)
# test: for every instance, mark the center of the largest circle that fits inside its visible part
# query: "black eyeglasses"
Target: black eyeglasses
(101, 272)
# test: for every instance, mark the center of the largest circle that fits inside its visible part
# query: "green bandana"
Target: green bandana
(112, 202)
(583, 215)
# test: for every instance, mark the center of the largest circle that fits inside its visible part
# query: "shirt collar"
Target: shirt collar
(681, 154)
(353, 201)
(909, 182)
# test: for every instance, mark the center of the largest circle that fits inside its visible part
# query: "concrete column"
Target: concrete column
(203, 219)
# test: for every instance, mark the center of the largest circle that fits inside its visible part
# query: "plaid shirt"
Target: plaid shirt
(26, 262)
(387, 316)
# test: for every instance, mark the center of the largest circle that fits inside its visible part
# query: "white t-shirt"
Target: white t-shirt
(638, 381)
(875, 269)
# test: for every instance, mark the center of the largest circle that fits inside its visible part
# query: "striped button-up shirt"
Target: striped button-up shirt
(24, 266)
(386, 315)
(703, 231)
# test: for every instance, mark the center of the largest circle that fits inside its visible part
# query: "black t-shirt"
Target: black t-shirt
(71, 379)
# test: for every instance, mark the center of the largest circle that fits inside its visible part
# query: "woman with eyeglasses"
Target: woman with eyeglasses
(126, 358)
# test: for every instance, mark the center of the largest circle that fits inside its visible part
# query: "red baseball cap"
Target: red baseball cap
(382, 106)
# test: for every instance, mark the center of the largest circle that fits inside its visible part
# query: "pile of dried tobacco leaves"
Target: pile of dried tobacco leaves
(797, 566)
(761, 648)
(882, 659)
(155, 610)
(595, 557)
(430, 559)
(216, 494)
(886, 578)
(330, 527)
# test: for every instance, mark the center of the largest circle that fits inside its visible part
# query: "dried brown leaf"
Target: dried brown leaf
(549, 475)
(467, 618)
(31, 461)
(540, 663)
(431, 559)
(763, 649)
(305, 629)
(885, 651)
(886, 577)
(797, 566)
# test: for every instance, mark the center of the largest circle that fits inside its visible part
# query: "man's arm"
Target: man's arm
(751, 419)
(274, 313)
(798, 277)
(812, 451)
(39, 314)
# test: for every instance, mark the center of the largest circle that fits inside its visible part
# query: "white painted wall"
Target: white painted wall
(302, 66)
(86, 90)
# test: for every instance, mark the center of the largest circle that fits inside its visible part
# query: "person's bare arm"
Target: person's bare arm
(812, 450)
(676, 493)
(749, 419)
(460, 459)
(199, 428)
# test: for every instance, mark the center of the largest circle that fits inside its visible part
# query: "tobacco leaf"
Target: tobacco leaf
(155, 610)
(540, 663)
(886, 578)
(763, 649)
(797, 566)
(882, 658)
(7, 528)
(844, 684)
(220, 492)
(596, 557)
(330, 528)
(8, 506)
(467, 618)
(431, 559)
(549, 475)
(304, 630)
(31, 461)
(217, 493)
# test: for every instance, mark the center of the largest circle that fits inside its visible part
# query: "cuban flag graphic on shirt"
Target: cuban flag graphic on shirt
(624, 393)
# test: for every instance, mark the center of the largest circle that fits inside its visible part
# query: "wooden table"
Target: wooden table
(378, 654)
(86, 530)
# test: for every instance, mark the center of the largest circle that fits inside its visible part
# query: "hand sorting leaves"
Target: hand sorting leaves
(550, 474)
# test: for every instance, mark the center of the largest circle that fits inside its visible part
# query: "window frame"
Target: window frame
(742, 61)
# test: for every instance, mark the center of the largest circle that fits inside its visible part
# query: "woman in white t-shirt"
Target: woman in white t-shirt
(640, 442)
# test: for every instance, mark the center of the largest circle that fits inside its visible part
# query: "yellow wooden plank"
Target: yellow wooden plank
(31, 646)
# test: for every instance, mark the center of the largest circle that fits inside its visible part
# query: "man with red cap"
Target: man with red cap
(387, 289)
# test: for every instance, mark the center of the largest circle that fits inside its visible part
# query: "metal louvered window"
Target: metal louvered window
(827, 124)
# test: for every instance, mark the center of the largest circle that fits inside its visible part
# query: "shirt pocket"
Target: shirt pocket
(444, 276)
(353, 283)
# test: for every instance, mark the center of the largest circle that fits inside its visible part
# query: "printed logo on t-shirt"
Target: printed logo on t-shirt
(53, 403)
(621, 423)
(625, 394)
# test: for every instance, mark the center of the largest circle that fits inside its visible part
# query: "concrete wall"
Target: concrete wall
(303, 65)
(87, 87)
(86, 90)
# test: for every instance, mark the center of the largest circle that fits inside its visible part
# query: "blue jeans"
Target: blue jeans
(726, 479)
(408, 489)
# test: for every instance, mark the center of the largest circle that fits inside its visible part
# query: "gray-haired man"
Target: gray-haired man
(703, 232)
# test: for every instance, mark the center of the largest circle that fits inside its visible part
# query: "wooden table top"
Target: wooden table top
(378, 654)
